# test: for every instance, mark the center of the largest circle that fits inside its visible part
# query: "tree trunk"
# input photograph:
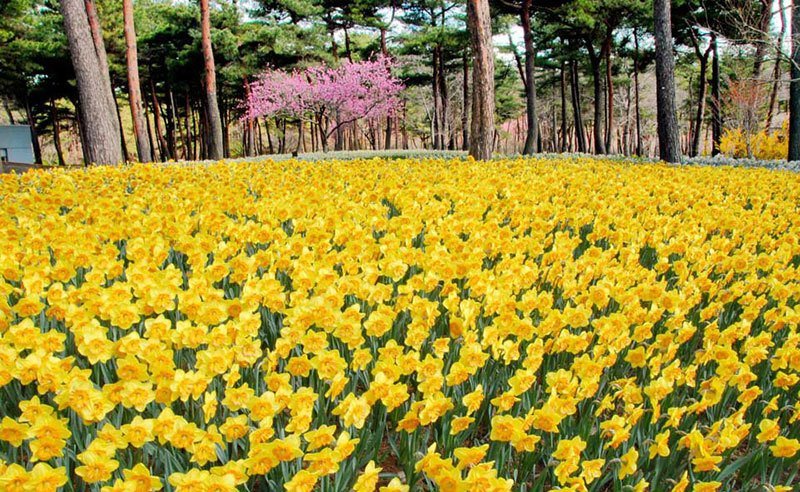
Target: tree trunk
(539, 140)
(125, 155)
(374, 135)
(580, 132)
(56, 133)
(465, 103)
(101, 129)
(258, 139)
(9, 113)
(761, 37)
(668, 137)
(637, 109)
(134, 89)
(387, 138)
(282, 148)
(480, 27)
(172, 122)
(155, 139)
(300, 136)
(150, 140)
(776, 70)
(339, 140)
(532, 135)
(794, 88)
(599, 101)
(687, 145)
(610, 93)
(437, 123)
(215, 147)
(563, 107)
(404, 130)
(518, 60)
(162, 142)
(716, 107)
(182, 134)
(202, 131)
(37, 148)
(226, 144)
(701, 104)
(97, 39)
(195, 137)
(444, 123)
(249, 142)
(269, 136)
(78, 128)
(625, 141)
(347, 51)
(189, 136)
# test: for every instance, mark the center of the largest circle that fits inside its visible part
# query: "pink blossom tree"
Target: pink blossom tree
(330, 97)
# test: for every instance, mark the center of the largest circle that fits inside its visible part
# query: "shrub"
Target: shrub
(762, 145)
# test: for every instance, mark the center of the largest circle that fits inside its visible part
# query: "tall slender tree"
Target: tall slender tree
(600, 118)
(794, 88)
(716, 98)
(97, 38)
(702, 56)
(637, 111)
(532, 134)
(481, 139)
(99, 45)
(134, 88)
(668, 135)
(776, 69)
(215, 145)
(101, 132)
(465, 102)
(580, 132)
(527, 69)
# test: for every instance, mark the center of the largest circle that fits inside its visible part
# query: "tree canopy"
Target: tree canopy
(592, 79)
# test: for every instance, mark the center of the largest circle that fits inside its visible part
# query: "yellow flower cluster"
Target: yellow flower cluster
(400, 325)
(762, 145)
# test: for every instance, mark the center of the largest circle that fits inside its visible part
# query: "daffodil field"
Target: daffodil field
(553, 324)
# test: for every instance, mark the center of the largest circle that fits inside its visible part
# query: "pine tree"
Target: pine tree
(101, 133)
(134, 89)
(481, 140)
(668, 136)
(794, 88)
(215, 145)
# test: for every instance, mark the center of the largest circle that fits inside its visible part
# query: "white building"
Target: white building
(15, 144)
